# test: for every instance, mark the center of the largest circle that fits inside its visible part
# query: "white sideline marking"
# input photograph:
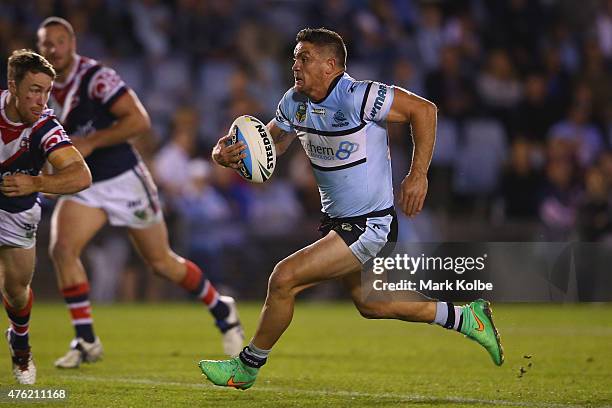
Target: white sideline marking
(340, 393)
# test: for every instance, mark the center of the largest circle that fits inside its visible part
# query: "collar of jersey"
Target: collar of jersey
(331, 87)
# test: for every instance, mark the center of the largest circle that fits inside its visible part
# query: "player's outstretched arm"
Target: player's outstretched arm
(70, 175)
(132, 121)
(422, 116)
(282, 139)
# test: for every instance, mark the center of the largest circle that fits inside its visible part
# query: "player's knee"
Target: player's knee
(281, 281)
(16, 294)
(62, 251)
(159, 266)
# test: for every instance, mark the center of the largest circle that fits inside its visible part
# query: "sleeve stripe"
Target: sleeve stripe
(282, 113)
(117, 92)
(111, 100)
(53, 130)
(60, 145)
(365, 100)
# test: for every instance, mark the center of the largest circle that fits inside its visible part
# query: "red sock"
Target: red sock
(196, 283)
(20, 322)
(77, 300)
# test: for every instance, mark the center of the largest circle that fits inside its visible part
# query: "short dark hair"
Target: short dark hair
(50, 21)
(23, 61)
(326, 38)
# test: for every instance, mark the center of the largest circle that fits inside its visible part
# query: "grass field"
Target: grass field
(331, 357)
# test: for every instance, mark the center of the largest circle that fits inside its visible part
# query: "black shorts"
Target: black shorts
(367, 236)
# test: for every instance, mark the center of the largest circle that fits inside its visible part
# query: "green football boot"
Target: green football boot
(229, 373)
(478, 326)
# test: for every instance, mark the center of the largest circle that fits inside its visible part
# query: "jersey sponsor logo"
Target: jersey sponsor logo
(318, 111)
(84, 129)
(12, 173)
(379, 101)
(340, 119)
(300, 114)
(344, 151)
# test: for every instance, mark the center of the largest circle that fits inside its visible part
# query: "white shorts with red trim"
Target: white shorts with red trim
(129, 199)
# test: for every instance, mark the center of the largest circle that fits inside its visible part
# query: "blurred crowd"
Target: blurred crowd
(524, 91)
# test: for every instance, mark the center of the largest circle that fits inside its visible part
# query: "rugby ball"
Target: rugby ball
(260, 160)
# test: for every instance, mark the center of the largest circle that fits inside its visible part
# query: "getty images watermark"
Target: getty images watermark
(409, 266)
(499, 271)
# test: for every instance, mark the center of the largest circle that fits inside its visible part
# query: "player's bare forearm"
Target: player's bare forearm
(132, 121)
(282, 139)
(69, 180)
(422, 116)
(70, 175)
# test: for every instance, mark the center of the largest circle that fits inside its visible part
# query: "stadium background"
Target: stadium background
(523, 88)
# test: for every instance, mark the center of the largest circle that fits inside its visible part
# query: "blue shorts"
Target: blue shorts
(367, 236)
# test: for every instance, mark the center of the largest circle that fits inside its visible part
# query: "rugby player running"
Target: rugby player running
(102, 114)
(341, 125)
(30, 137)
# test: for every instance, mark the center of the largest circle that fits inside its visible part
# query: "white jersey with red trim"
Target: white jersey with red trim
(25, 148)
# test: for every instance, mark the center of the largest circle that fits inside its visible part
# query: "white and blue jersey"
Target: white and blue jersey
(345, 138)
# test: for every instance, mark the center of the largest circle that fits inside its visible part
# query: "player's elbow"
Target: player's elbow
(143, 123)
(83, 179)
(429, 108)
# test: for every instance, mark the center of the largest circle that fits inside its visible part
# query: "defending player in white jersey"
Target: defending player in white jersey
(341, 125)
(29, 136)
(102, 114)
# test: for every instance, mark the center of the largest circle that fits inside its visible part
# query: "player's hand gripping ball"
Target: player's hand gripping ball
(260, 161)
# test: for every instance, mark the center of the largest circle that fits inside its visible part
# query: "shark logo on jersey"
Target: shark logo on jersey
(340, 119)
(300, 114)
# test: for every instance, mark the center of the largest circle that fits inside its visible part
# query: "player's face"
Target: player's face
(57, 45)
(31, 95)
(309, 67)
